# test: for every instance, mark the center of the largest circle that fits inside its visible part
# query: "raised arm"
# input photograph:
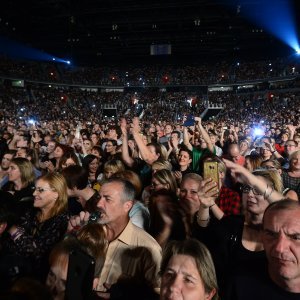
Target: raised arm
(244, 176)
(186, 140)
(204, 135)
(222, 137)
(146, 154)
(125, 152)
(207, 195)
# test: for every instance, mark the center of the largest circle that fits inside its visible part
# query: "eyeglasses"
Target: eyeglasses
(290, 145)
(154, 184)
(246, 190)
(41, 190)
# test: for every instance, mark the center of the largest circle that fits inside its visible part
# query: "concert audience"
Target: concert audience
(125, 170)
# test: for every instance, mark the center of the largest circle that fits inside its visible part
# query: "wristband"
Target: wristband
(17, 233)
(211, 206)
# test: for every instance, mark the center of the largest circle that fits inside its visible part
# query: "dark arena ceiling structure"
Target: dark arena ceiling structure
(91, 31)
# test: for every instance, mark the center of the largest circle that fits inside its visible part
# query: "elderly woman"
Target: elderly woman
(188, 272)
(42, 226)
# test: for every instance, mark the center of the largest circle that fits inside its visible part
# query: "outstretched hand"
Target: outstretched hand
(239, 173)
(208, 193)
(136, 125)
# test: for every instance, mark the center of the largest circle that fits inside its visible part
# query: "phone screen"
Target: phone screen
(211, 170)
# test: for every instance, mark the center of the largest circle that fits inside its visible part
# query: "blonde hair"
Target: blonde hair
(275, 162)
(113, 166)
(294, 154)
(161, 164)
(58, 183)
(272, 176)
(166, 177)
(164, 151)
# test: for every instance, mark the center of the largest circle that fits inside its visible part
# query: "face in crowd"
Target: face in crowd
(111, 205)
(189, 199)
(281, 240)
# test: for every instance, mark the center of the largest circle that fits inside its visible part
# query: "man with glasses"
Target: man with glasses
(289, 147)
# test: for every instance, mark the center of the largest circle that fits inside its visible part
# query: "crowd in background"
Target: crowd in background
(198, 73)
(74, 179)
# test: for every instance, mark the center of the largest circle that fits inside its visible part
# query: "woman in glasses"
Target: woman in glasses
(235, 239)
(42, 226)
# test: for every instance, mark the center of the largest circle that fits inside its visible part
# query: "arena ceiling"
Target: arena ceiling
(95, 30)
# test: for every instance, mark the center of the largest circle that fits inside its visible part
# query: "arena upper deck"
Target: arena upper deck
(94, 31)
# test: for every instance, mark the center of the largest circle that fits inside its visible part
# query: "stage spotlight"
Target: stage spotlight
(68, 62)
(298, 52)
(53, 59)
(258, 132)
(31, 121)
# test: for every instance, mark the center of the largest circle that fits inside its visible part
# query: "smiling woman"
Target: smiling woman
(235, 239)
(42, 226)
(21, 180)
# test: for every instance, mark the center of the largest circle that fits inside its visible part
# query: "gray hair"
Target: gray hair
(128, 191)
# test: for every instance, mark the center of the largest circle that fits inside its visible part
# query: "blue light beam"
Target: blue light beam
(274, 16)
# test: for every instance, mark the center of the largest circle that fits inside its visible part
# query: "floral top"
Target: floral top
(39, 238)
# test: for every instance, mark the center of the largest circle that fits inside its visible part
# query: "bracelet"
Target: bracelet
(211, 206)
(198, 218)
(265, 192)
(267, 195)
(17, 233)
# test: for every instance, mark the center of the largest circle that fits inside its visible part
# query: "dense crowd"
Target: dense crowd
(154, 202)
(198, 73)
